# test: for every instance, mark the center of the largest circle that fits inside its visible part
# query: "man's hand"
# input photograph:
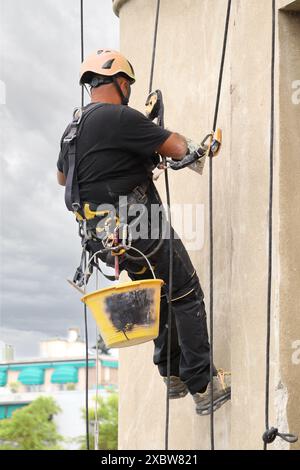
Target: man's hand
(174, 147)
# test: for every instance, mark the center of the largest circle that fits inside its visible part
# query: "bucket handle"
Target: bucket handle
(123, 246)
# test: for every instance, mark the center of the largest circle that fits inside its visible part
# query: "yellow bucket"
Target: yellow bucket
(127, 314)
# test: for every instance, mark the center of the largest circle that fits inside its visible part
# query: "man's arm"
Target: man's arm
(61, 178)
(174, 147)
(141, 136)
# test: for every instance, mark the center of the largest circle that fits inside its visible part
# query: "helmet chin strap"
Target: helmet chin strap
(124, 99)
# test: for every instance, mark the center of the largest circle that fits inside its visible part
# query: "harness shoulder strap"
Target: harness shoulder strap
(72, 197)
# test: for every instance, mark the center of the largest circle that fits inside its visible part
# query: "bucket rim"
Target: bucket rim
(123, 285)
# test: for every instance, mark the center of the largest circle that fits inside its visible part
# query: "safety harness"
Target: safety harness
(72, 197)
(87, 215)
(96, 225)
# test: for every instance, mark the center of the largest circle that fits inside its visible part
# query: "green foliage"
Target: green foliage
(31, 427)
(108, 424)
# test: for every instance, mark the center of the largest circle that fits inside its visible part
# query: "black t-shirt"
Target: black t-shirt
(114, 151)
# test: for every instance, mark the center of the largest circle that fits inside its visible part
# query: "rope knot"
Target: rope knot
(271, 434)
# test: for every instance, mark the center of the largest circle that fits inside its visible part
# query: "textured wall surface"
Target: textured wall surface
(187, 64)
(289, 215)
(288, 5)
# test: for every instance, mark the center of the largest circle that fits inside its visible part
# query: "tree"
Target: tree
(31, 427)
(108, 424)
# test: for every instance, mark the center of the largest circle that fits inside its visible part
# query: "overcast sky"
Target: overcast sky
(40, 248)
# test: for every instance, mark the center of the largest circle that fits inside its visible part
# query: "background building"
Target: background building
(59, 373)
(187, 64)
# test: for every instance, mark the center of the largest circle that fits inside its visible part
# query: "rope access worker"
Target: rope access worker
(116, 151)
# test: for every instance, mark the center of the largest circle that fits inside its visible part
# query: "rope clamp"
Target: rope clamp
(215, 142)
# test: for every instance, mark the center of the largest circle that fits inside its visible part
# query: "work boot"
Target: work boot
(177, 389)
(221, 394)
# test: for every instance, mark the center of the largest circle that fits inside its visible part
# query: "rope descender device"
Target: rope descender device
(215, 143)
(154, 105)
(195, 158)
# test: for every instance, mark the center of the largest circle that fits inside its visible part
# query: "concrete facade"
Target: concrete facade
(186, 70)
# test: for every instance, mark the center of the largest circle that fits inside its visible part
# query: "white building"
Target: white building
(59, 372)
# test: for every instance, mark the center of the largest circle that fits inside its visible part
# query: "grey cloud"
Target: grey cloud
(40, 248)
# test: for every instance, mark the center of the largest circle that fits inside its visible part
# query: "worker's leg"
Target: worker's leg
(188, 312)
(189, 339)
(160, 344)
(189, 316)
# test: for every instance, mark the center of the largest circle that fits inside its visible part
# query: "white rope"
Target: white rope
(96, 425)
(127, 248)
(96, 428)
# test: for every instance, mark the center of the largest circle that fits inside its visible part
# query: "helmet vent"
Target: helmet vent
(131, 68)
(108, 64)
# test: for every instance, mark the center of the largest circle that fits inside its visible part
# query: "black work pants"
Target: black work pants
(190, 349)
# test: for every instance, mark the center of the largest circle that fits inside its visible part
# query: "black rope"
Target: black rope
(211, 230)
(169, 296)
(271, 434)
(81, 47)
(270, 257)
(222, 65)
(86, 379)
(154, 46)
(85, 265)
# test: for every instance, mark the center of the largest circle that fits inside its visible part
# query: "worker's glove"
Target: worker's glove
(195, 158)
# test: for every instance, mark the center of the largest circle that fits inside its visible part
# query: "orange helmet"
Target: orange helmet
(107, 63)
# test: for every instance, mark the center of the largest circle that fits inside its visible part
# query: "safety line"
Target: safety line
(154, 46)
(86, 364)
(270, 435)
(169, 296)
(96, 427)
(85, 262)
(270, 241)
(169, 299)
(81, 47)
(211, 230)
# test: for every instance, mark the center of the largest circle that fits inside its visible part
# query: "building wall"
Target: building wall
(289, 211)
(187, 64)
(62, 348)
(106, 375)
